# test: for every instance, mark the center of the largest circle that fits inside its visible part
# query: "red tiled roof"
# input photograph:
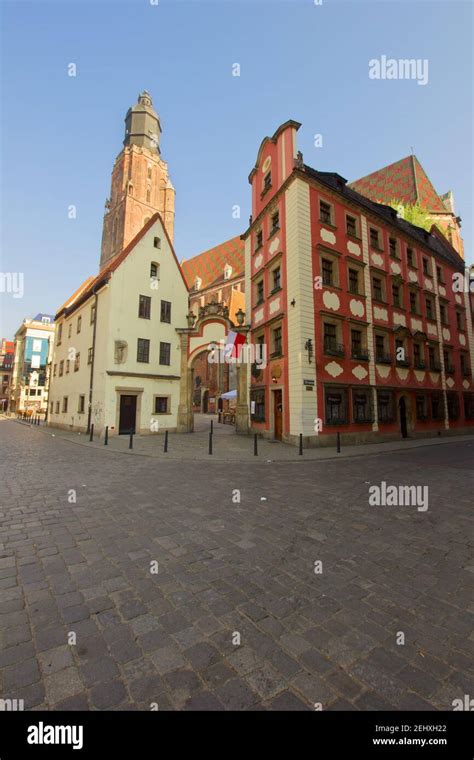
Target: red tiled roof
(209, 265)
(404, 180)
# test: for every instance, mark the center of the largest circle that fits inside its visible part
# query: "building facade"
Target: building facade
(6, 368)
(33, 343)
(117, 356)
(366, 334)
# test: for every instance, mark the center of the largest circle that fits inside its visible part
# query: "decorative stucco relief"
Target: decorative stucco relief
(353, 248)
(399, 319)
(420, 376)
(431, 329)
(413, 277)
(359, 372)
(416, 324)
(465, 384)
(458, 298)
(462, 339)
(327, 236)
(441, 290)
(258, 261)
(258, 315)
(434, 377)
(402, 373)
(331, 300)
(428, 284)
(274, 246)
(446, 334)
(377, 259)
(334, 369)
(450, 382)
(274, 305)
(396, 269)
(380, 313)
(383, 371)
(356, 307)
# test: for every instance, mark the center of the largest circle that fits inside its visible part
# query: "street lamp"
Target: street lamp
(240, 317)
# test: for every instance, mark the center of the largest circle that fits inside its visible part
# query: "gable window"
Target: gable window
(267, 182)
(143, 350)
(154, 271)
(260, 291)
(79, 324)
(276, 279)
(351, 225)
(325, 215)
(275, 222)
(336, 406)
(227, 272)
(165, 353)
(157, 242)
(165, 315)
(144, 307)
(161, 404)
(82, 405)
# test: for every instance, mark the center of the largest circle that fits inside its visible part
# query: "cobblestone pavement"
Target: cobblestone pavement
(82, 565)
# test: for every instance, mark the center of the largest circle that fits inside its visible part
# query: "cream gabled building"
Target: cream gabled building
(117, 356)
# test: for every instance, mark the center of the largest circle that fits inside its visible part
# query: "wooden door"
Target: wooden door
(128, 413)
(277, 414)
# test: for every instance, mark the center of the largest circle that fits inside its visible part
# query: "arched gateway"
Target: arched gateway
(211, 326)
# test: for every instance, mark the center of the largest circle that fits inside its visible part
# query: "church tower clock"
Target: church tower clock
(140, 182)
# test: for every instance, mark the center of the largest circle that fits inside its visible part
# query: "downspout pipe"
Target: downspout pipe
(91, 380)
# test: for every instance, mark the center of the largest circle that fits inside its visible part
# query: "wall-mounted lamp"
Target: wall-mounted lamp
(240, 317)
(293, 302)
(309, 348)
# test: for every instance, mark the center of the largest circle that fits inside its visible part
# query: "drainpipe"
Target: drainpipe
(91, 381)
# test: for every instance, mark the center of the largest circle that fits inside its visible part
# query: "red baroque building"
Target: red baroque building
(365, 333)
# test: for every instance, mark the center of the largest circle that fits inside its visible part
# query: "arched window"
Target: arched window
(130, 189)
(148, 196)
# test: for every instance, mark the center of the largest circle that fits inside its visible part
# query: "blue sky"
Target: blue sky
(60, 135)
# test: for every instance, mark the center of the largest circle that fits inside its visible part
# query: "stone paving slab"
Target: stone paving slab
(236, 616)
(228, 446)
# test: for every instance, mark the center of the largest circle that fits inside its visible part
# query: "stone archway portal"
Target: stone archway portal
(212, 326)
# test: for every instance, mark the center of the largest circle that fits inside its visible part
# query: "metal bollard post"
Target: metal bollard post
(106, 437)
(255, 445)
(210, 443)
(338, 443)
(130, 444)
(165, 448)
(300, 452)
(91, 436)
(212, 426)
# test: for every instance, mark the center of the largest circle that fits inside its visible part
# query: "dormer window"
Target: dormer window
(227, 272)
(46, 320)
(197, 283)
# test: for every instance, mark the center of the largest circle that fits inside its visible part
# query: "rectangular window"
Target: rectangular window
(374, 238)
(413, 302)
(68, 364)
(377, 289)
(260, 291)
(161, 404)
(443, 313)
(57, 407)
(469, 406)
(154, 269)
(465, 368)
(165, 353)
(426, 266)
(81, 405)
(143, 350)
(267, 182)
(421, 407)
(437, 411)
(92, 314)
(433, 359)
(361, 406)
(429, 308)
(331, 345)
(393, 247)
(351, 225)
(90, 353)
(257, 405)
(259, 240)
(69, 330)
(396, 295)
(275, 222)
(77, 362)
(417, 357)
(356, 343)
(276, 279)
(385, 406)
(453, 405)
(165, 312)
(336, 406)
(410, 257)
(380, 354)
(79, 324)
(64, 404)
(51, 407)
(157, 242)
(144, 307)
(459, 320)
(324, 212)
(353, 281)
(55, 367)
(327, 268)
(60, 333)
(439, 274)
(277, 341)
(61, 368)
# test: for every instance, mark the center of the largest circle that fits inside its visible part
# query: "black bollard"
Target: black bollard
(255, 445)
(130, 444)
(338, 443)
(106, 437)
(300, 452)
(91, 436)
(210, 443)
(165, 448)
(212, 426)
